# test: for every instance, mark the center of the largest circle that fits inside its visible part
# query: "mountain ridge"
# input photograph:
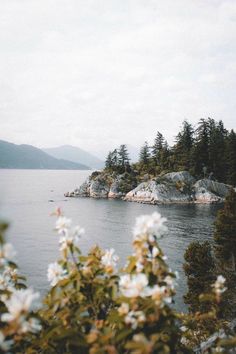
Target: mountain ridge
(26, 156)
(75, 154)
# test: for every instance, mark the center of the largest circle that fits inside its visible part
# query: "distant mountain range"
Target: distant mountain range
(75, 154)
(30, 157)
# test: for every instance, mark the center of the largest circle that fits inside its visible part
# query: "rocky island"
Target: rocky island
(204, 160)
(173, 187)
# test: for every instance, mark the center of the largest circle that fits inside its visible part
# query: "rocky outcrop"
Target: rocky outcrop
(174, 187)
(103, 185)
(170, 188)
(208, 191)
(182, 176)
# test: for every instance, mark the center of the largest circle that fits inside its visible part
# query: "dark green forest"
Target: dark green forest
(206, 151)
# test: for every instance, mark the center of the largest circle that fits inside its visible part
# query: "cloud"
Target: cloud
(99, 73)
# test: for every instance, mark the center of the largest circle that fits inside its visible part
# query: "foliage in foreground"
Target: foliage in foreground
(91, 308)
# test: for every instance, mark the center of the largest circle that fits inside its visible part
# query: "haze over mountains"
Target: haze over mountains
(75, 154)
(29, 157)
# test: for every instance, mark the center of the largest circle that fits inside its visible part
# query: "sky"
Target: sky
(99, 73)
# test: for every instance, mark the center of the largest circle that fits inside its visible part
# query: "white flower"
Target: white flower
(7, 253)
(67, 240)
(148, 226)
(134, 285)
(110, 259)
(123, 309)
(219, 285)
(160, 295)
(169, 281)
(55, 273)
(5, 345)
(155, 252)
(19, 304)
(63, 224)
(183, 328)
(32, 325)
(139, 267)
(78, 231)
(6, 282)
(70, 237)
(133, 318)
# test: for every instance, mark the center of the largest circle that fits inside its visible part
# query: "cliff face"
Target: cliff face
(174, 187)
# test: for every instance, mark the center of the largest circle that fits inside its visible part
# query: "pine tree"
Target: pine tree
(216, 149)
(111, 161)
(144, 156)
(157, 148)
(123, 157)
(225, 233)
(183, 147)
(230, 157)
(199, 269)
(108, 162)
(201, 148)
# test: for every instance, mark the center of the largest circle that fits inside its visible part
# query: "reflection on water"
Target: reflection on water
(29, 196)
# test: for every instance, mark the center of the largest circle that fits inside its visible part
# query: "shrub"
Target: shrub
(93, 308)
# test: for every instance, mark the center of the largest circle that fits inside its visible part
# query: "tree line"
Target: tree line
(209, 150)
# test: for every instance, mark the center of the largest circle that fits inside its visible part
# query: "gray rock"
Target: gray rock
(208, 191)
(182, 176)
(174, 187)
(153, 193)
(99, 188)
(115, 191)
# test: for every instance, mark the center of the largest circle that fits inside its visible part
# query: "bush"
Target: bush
(91, 308)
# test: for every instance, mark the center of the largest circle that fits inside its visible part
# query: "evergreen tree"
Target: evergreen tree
(108, 161)
(144, 155)
(199, 269)
(123, 157)
(157, 148)
(230, 157)
(183, 147)
(216, 149)
(111, 161)
(165, 157)
(114, 158)
(201, 148)
(225, 233)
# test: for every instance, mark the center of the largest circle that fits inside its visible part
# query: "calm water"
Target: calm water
(29, 196)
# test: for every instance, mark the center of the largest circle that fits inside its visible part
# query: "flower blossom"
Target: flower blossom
(55, 273)
(148, 226)
(161, 295)
(7, 253)
(5, 345)
(109, 260)
(123, 309)
(219, 285)
(134, 318)
(6, 282)
(70, 237)
(134, 285)
(62, 224)
(19, 304)
(32, 325)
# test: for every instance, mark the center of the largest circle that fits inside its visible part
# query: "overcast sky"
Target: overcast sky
(97, 73)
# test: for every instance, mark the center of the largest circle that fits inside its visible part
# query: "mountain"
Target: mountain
(30, 157)
(75, 154)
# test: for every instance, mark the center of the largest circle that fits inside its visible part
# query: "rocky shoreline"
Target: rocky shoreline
(174, 187)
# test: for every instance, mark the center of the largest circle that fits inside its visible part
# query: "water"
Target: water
(29, 196)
